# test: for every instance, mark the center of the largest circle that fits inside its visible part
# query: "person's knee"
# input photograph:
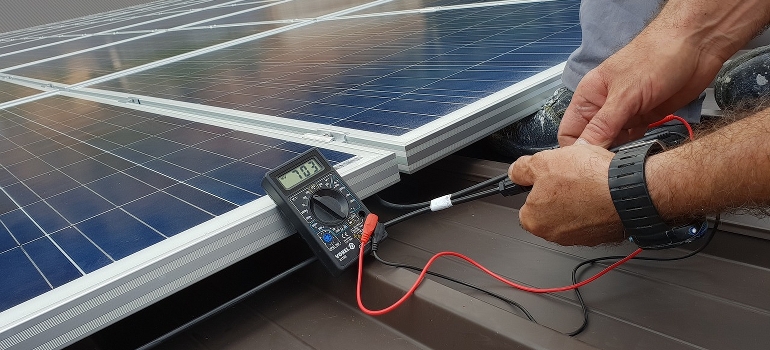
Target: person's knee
(743, 83)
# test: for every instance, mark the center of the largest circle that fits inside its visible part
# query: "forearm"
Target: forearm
(716, 27)
(726, 169)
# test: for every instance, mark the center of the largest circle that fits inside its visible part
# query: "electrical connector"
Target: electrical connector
(506, 187)
(379, 235)
(371, 223)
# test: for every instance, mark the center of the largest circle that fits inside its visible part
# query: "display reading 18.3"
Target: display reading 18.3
(295, 176)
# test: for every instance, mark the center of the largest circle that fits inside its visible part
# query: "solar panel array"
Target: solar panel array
(384, 74)
(92, 183)
(85, 184)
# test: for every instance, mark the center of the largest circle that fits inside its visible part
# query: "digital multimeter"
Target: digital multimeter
(321, 207)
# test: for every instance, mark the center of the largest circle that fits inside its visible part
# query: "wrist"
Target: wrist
(664, 180)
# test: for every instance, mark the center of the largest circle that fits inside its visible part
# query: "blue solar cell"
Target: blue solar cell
(21, 194)
(26, 138)
(46, 217)
(29, 168)
(228, 145)
(392, 118)
(62, 157)
(419, 107)
(131, 156)
(50, 184)
(102, 144)
(222, 190)
(173, 171)
(156, 147)
(150, 177)
(200, 199)
(259, 139)
(84, 253)
(119, 234)
(42, 147)
(52, 262)
(79, 204)
(166, 214)
(124, 136)
(197, 160)
(6, 204)
(120, 188)
(20, 280)
(294, 147)
(114, 162)
(243, 175)
(87, 170)
(21, 226)
(153, 127)
(15, 155)
(6, 240)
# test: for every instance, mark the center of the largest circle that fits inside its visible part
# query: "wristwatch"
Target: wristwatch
(640, 218)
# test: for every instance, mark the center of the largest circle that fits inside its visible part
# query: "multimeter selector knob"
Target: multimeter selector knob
(329, 206)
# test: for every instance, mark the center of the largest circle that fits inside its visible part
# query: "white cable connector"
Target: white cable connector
(441, 203)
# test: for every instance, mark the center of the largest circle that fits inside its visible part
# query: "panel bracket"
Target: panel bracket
(326, 136)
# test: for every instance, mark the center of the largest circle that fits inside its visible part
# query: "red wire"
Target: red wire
(482, 268)
(671, 117)
(370, 228)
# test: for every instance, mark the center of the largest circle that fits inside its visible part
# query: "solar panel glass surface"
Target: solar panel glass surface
(63, 48)
(296, 9)
(21, 44)
(84, 184)
(388, 74)
(92, 64)
(197, 16)
(404, 5)
(10, 91)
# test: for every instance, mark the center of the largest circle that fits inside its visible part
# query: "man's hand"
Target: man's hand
(665, 67)
(615, 102)
(570, 201)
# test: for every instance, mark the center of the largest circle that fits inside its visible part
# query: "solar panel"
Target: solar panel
(90, 191)
(10, 92)
(291, 10)
(406, 5)
(92, 64)
(67, 45)
(141, 175)
(16, 45)
(203, 15)
(381, 76)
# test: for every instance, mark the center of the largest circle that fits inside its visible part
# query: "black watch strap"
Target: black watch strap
(628, 188)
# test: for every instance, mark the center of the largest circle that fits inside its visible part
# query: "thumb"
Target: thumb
(521, 172)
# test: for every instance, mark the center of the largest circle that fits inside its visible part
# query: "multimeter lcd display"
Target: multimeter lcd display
(296, 176)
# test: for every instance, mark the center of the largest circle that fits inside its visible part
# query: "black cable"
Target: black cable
(225, 306)
(469, 285)
(460, 200)
(583, 305)
(460, 193)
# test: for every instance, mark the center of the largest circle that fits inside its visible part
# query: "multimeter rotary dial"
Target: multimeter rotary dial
(329, 206)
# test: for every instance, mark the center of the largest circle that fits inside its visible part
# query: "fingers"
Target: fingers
(572, 125)
(521, 172)
(605, 126)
